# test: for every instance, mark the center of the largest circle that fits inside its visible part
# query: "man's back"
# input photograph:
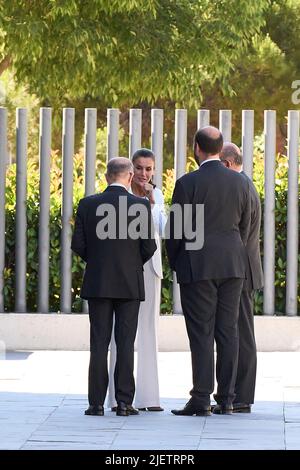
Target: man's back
(225, 196)
(114, 265)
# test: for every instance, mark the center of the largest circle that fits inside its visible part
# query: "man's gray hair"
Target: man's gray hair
(118, 166)
(230, 150)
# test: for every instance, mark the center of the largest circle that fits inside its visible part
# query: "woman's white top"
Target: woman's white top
(159, 219)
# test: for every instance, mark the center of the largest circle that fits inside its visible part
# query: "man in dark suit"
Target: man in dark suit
(246, 372)
(211, 277)
(106, 238)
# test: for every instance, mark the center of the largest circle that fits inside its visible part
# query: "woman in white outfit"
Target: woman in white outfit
(147, 388)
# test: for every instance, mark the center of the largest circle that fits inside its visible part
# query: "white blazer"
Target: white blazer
(159, 219)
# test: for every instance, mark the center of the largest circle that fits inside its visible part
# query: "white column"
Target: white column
(247, 141)
(269, 213)
(21, 212)
(90, 131)
(135, 130)
(157, 143)
(180, 141)
(112, 133)
(292, 214)
(67, 210)
(44, 235)
(180, 165)
(225, 124)
(3, 161)
(202, 118)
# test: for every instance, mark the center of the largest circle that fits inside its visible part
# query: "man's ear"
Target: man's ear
(130, 178)
(107, 178)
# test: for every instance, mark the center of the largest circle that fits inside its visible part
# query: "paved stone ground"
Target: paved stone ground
(43, 397)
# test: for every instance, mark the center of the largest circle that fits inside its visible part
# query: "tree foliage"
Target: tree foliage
(126, 51)
(262, 79)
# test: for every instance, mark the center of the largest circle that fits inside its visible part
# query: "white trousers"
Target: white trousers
(147, 388)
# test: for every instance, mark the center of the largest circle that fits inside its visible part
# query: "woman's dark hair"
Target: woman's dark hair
(146, 153)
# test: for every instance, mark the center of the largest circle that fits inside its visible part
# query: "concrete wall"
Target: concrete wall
(71, 332)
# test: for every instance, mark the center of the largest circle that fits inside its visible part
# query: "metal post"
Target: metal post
(180, 167)
(269, 213)
(135, 130)
(157, 143)
(180, 142)
(90, 132)
(247, 141)
(44, 236)
(3, 160)
(67, 209)
(90, 150)
(225, 124)
(112, 133)
(202, 118)
(292, 214)
(21, 200)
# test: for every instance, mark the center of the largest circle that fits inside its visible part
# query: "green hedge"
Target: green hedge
(78, 266)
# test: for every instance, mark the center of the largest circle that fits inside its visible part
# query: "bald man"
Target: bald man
(246, 374)
(211, 277)
(113, 281)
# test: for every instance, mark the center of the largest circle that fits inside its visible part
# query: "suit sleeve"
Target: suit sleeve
(173, 244)
(148, 244)
(245, 222)
(255, 207)
(79, 243)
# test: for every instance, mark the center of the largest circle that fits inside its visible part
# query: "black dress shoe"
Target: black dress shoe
(190, 409)
(241, 408)
(223, 409)
(114, 408)
(125, 410)
(132, 411)
(95, 410)
(152, 408)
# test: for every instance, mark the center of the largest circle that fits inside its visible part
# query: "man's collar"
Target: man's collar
(119, 184)
(217, 159)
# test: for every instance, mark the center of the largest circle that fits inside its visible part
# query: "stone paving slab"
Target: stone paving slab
(43, 398)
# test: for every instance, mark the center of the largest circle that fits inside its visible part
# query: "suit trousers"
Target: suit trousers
(147, 387)
(211, 311)
(247, 363)
(101, 312)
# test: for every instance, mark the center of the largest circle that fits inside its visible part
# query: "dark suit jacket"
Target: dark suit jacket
(255, 278)
(225, 195)
(114, 267)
